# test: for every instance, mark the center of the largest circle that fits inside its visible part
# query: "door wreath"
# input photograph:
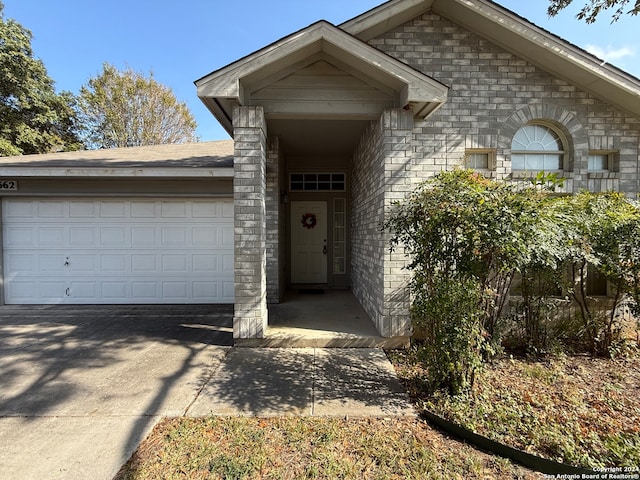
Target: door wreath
(309, 220)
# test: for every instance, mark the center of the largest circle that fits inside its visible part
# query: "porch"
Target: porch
(320, 318)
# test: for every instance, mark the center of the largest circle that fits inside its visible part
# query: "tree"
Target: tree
(590, 11)
(126, 109)
(33, 118)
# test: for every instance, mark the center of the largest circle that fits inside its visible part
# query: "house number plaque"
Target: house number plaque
(8, 185)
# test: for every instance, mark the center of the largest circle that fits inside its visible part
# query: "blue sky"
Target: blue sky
(181, 41)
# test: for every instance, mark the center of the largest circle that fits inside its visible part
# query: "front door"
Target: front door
(308, 242)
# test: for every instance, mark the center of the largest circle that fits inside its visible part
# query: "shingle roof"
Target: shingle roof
(216, 154)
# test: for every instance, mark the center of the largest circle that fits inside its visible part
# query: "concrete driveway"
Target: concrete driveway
(80, 387)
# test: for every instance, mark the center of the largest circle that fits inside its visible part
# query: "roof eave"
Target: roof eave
(117, 172)
(225, 88)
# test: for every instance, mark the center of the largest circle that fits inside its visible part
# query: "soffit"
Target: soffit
(516, 35)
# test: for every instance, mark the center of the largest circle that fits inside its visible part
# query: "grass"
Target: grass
(577, 410)
(308, 448)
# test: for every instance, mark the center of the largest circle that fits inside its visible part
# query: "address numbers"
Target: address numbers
(8, 185)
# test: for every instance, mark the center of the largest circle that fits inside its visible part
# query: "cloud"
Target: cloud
(610, 53)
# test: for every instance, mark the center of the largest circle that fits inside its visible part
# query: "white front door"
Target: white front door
(308, 242)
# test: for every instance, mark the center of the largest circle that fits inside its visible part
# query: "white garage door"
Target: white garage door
(108, 251)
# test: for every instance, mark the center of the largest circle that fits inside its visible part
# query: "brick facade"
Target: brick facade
(493, 93)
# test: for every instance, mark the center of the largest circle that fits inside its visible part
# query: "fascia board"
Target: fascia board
(384, 18)
(150, 172)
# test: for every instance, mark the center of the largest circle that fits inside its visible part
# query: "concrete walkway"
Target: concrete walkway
(303, 381)
(82, 386)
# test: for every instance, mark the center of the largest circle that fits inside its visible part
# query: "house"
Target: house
(331, 124)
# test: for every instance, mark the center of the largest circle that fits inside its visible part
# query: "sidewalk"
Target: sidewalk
(303, 381)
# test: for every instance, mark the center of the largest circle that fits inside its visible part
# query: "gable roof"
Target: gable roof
(233, 85)
(516, 35)
(213, 159)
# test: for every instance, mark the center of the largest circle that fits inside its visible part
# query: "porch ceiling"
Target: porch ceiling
(319, 87)
(330, 139)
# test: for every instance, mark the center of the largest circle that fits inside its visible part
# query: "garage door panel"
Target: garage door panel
(104, 251)
(82, 291)
(114, 263)
(114, 209)
(114, 291)
(175, 263)
(48, 264)
(206, 236)
(174, 210)
(113, 236)
(173, 290)
(144, 263)
(143, 236)
(82, 209)
(19, 236)
(205, 263)
(19, 211)
(82, 236)
(51, 236)
(143, 209)
(173, 236)
(52, 209)
(82, 263)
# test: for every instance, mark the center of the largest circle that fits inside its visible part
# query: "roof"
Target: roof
(515, 34)
(233, 85)
(189, 159)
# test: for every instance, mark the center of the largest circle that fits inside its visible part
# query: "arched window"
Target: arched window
(536, 147)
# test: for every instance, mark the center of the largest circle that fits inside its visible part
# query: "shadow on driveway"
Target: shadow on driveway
(99, 362)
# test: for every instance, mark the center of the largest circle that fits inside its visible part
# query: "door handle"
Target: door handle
(324, 250)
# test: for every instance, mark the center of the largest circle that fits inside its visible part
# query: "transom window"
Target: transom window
(536, 147)
(317, 182)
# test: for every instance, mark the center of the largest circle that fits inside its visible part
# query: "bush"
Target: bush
(449, 318)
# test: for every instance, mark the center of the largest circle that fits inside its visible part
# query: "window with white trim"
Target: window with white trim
(537, 147)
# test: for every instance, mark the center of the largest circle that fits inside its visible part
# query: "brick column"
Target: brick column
(398, 148)
(249, 194)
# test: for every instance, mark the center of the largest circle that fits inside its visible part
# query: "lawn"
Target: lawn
(309, 447)
(578, 410)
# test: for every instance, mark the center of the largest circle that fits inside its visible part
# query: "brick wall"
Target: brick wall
(493, 93)
(275, 216)
(381, 174)
(367, 211)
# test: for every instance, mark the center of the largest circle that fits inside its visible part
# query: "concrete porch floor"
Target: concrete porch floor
(333, 319)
